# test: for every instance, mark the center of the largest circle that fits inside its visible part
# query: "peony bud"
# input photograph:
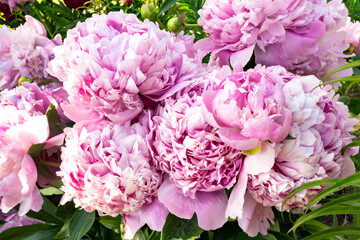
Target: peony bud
(173, 25)
(148, 11)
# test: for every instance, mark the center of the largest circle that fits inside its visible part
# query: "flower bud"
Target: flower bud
(173, 25)
(148, 11)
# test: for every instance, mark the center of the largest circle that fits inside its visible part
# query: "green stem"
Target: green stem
(190, 25)
(48, 163)
(160, 23)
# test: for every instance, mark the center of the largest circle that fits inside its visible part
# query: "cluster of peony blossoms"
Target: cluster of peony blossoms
(157, 131)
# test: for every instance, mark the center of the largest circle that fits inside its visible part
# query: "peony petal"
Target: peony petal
(261, 162)
(210, 209)
(175, 201)
(236, 199)
(240, 58)
(33, 131)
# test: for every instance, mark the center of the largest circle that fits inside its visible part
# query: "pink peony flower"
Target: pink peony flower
(24, 52)
(13, 3)
(318, 45)
(353, 31)
(107, 167)
(186, 147)
(248, 107)
(18, 174)
(320, 127)
(235, 27)
(108, 61)
(301, 35)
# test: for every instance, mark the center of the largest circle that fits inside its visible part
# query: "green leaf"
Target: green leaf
(178, 228)
(309, 185)
(356, 237)
(345, 79)
(328, 233)
(30, 232)
(51, 191)
(232, 231)
(80, 224)
(47, 213)
(342, 209)
(54, 121)
(35, 150)
(166, 5)
(346, 66)
(280, 235)
(111, 222)
(65, 212)
(139, 235)
(351, 180)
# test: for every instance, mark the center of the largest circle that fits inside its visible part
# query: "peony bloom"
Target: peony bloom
(18, 174)
(107, 167)
(108, 61)
(249, 107)
(13, 3)
(353, 31)
(189, 149)
(301, 35)
(24, 52)
(319, 126)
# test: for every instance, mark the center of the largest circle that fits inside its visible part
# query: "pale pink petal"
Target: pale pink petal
(261, 162)
(236, 199)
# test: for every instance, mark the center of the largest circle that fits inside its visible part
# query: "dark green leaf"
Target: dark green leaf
(111, 222)
(177, 228)
(35, 150)
(30, 232)
(280, 235)
(80, 224)
(54, 121)
(166, 5)
(47, 213)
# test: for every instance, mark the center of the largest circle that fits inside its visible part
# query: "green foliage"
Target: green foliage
(177, 228)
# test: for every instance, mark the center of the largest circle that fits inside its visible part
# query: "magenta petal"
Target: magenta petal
(175, 201)
(234, 138)
(261, 162)
(236, 199)
(210, 209)
(255, 217)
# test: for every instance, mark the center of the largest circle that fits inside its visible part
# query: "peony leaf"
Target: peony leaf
(346, 66)
(54, 121)
(166, 5)
(51, 191)
(178, 228)
(139, 235)
(111, 222)
(30, 232)
(47, 213)
(280, 235)
(80, 224)
(328, 233)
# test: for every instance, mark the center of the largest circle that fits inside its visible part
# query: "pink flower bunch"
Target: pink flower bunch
(303, 36)
(24, 52)
(107, 167)
(109, 62)
(353, 31)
